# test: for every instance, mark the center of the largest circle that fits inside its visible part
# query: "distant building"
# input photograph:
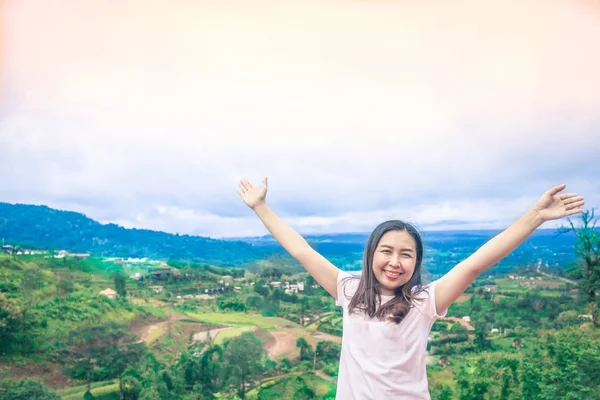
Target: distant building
(8, 249)
(108, 292)
(137, 276)
(157, 288)
(136, 260)
(291, 289)
(82, 256)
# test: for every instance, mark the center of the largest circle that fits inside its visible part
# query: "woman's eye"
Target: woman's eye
(386, 251)
(407, 255)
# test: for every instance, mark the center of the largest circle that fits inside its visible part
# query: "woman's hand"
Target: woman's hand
(554, 205)
(251, 194)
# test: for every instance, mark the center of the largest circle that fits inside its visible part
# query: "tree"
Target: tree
(567, 318)
(10, 323)
(64, 287)
(31, 282)
(254, 302)
(480, 336)
(243, 359)
(587, 246)
(26, 389)
(302, 308)
(445, 393)
(119, 279)
(306, 352)
(88, 395)
(260, 289)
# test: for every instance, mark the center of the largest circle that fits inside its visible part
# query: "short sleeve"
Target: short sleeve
(344, 281)
(430, 308)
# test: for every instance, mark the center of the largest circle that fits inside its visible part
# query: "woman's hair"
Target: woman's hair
(368, 294)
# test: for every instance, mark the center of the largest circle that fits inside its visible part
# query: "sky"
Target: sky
(450, 115)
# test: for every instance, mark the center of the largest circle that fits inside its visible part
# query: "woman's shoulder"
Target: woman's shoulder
(347, 283)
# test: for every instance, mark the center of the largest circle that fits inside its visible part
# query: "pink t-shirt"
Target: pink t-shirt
(381, 360)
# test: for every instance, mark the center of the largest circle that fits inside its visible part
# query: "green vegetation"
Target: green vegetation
(47, 228)
(531, 332)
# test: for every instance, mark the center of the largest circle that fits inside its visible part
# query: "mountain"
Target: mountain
(47, 228)
(42, 227)
(443, 249)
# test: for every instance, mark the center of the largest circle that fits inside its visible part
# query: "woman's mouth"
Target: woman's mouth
(391, 274)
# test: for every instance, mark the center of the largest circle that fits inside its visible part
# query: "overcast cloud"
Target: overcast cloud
(448, 114)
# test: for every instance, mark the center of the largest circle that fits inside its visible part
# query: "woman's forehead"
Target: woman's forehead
(397, 239)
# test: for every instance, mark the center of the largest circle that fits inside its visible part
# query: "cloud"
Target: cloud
(148, 114)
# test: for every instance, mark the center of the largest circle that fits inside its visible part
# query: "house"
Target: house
(136, 260)
(80, 256)
(276, 284)
(465, 318)
(292, 289)
(204, 297)
(301, 286)
(164, 273)
(157, 288)
(137, 276)
(111, 294)
(490, 288)
(8, 249)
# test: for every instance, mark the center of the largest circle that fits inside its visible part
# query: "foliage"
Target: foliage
(47, 228)
(26, 389)
(587, 246)
(243, 355)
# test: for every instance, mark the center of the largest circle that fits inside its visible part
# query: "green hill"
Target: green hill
(42, 227)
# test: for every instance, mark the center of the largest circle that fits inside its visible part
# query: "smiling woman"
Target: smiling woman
(388, 312)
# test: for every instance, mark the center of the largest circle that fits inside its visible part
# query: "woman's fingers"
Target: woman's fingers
(571, 200)
(566, 196)
(574, 205)
(556, 189)
(246, 185)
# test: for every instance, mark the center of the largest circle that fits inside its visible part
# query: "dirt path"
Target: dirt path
(153, 331)
(200, 336)
(284, 343)
(328, 337)
(460, 321)
(160, 326)
(323, 375)
(556, 277)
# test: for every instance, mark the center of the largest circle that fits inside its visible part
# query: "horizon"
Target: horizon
(449, 116)
(269, 236)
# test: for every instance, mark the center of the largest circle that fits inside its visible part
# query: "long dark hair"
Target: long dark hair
(367, 297)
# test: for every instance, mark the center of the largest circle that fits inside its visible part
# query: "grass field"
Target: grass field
(231, 333)
(242, 319)
(104, 390)
(286, 387)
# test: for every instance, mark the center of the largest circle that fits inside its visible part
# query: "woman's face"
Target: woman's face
(394, 260)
